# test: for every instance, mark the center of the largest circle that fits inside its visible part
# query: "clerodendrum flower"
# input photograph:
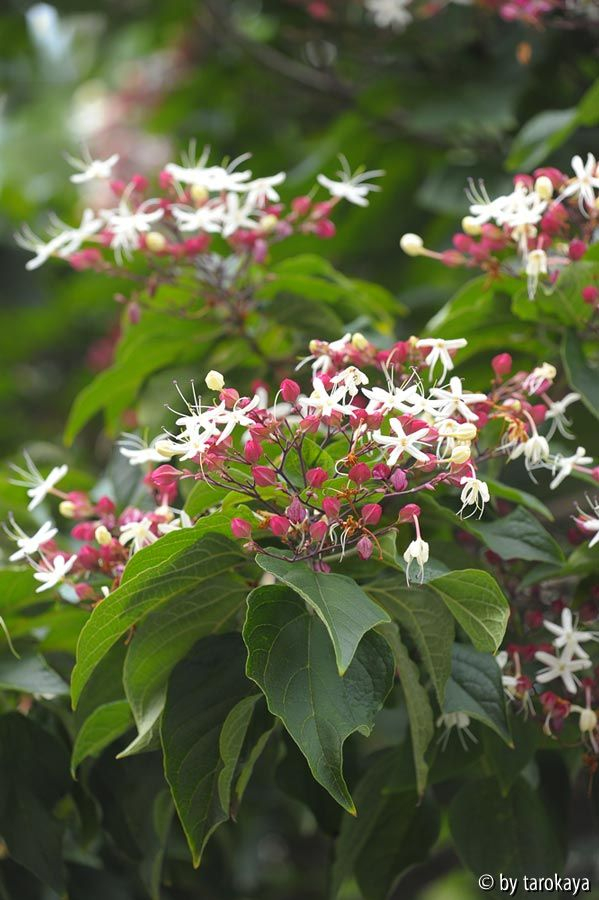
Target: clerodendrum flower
(583, 184)
(455, 401)
(37, 486)
(28, 545)
(50, 574)
(440, 352)
(474, 493)
(562, 666)
(352, 187)
(399, 442)
(568, 637)
(90, 169)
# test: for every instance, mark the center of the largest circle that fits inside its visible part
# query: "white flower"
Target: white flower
(539, 378)
(52, 573)
(509, 682)
(454, 400)
(262, 189)
(584, 183)
(135, 449)
(351, 379)
(562, 667)
(128, 225)
(482, 207)
(417, 551)
(564, 465)
(458, 720)
(556, 414)
(42, 250)
(206, 218)
(234, 215)
(139, 533)
(568, 637)
(389, 13)
(474, 493)
(37, 486)
(403, 399)
(439, 352)
(589, 523)
(353, 188)
(536, 265)
(183, 521)
(323, 403)
(27, 546)
(230, 418)
(90, 169)
(213, 178)
(401, 443)
(535, 449)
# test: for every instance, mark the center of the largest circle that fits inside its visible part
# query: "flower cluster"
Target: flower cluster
(398, 14)
(194, 204)
(323, 472)
(547, 221)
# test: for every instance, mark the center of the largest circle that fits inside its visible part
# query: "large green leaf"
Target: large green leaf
(166, 635)
(101, 728)
(513, 833)
(390, 833)
(475, 688)
(581, 376)
(518, 496)
(33, 777)
(477, 603)
(203, 690)
(178, 574)
(420, 713)
(425, 618)
(347, 612)
(520, 536)
(292, 661)
(32, 675)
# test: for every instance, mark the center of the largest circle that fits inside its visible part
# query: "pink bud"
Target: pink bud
(296, 511)
(195, 245)
(105, 506)
(595, 473)
(590, 294)
(371, 513)
(165, 179)
(318, 530)
(84, 591)
(84, 531)
(310, 424)
(301, 205)
(252, 451)
(577, 249)
(134, 312)
(381, 472)
(408, 512)
(264, 476)
(331, 507)
(260, 251)
(399, 480)
(117, 186)
(290, 390)
(359, 473)
(139, 182)
(316, 477)
(325, 229)
(229, 397)
(538, 413)
(279, 525)
(165, 476)
(364, 547)
(240, 528)
(451, 258)
(502, 364)
(462, 242)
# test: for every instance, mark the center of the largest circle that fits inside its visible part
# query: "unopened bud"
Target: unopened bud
(199, 194)
(412, 244)
(466, 431)
(359, 341)
(102, 535)
(166, 448)
(588, 720)
(268, 224)
(544, 187)
(67, 509)
(155, 241)
(214, 380)
(460, 454)
(471, 226)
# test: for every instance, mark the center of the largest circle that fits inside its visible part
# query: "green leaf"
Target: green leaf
(390, 833)
(507, 762)
(202, 692)
(520, 536)
(103, 726)
(541, 135)
(32, 675)
(347, 612)
(202, 496)
(425, 618)
(420, 713)
(292, 661)
(513, 833)
(236, 734)
(388, 543)
(475, 688)
(182, 569)
(166, 635)
(33, 777)
(581, 376)
(515, 495)
(477, 603)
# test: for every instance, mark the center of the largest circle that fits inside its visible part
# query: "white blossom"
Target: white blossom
(439, 352)
(52, 573)
(390, 13)
(418, 552)
(563, 466)
(139, 534)
(567, 637)
(453, 400)
(351, 187)
(37, 486)
(562, 666)
(399, 442)
(474, 493)
(556, 415)
(90, 168)
(583, 184)
(28, 545)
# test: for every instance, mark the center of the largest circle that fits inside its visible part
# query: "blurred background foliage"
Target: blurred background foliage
(453, 97)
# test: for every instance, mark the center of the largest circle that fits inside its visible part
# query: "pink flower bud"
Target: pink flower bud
(408, 512)
(85, 259)
(310, 424)
(165, 179)
(279, 525)
(364, 547)
(462, 242)
(240, 528)
(229, 397)
(577, 249)
(331, 507)
(595, 473)
(371, 513)
(84, 531)
(296, 511)
(381, 472)
(84, 591)
(325, 229)
(139, 182)
(316, 477)
(399, 480)
(195, 245)
(318, 530)
(88, 557)
(105, 506)
(117, 186)
(301, 205)
(264, 476)
(134, 312)
(502, 364)
(165, 476)
(590, 294)
(260, 251)
(359, 473)
(290, 390)
(252, 451)
(538, 413)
